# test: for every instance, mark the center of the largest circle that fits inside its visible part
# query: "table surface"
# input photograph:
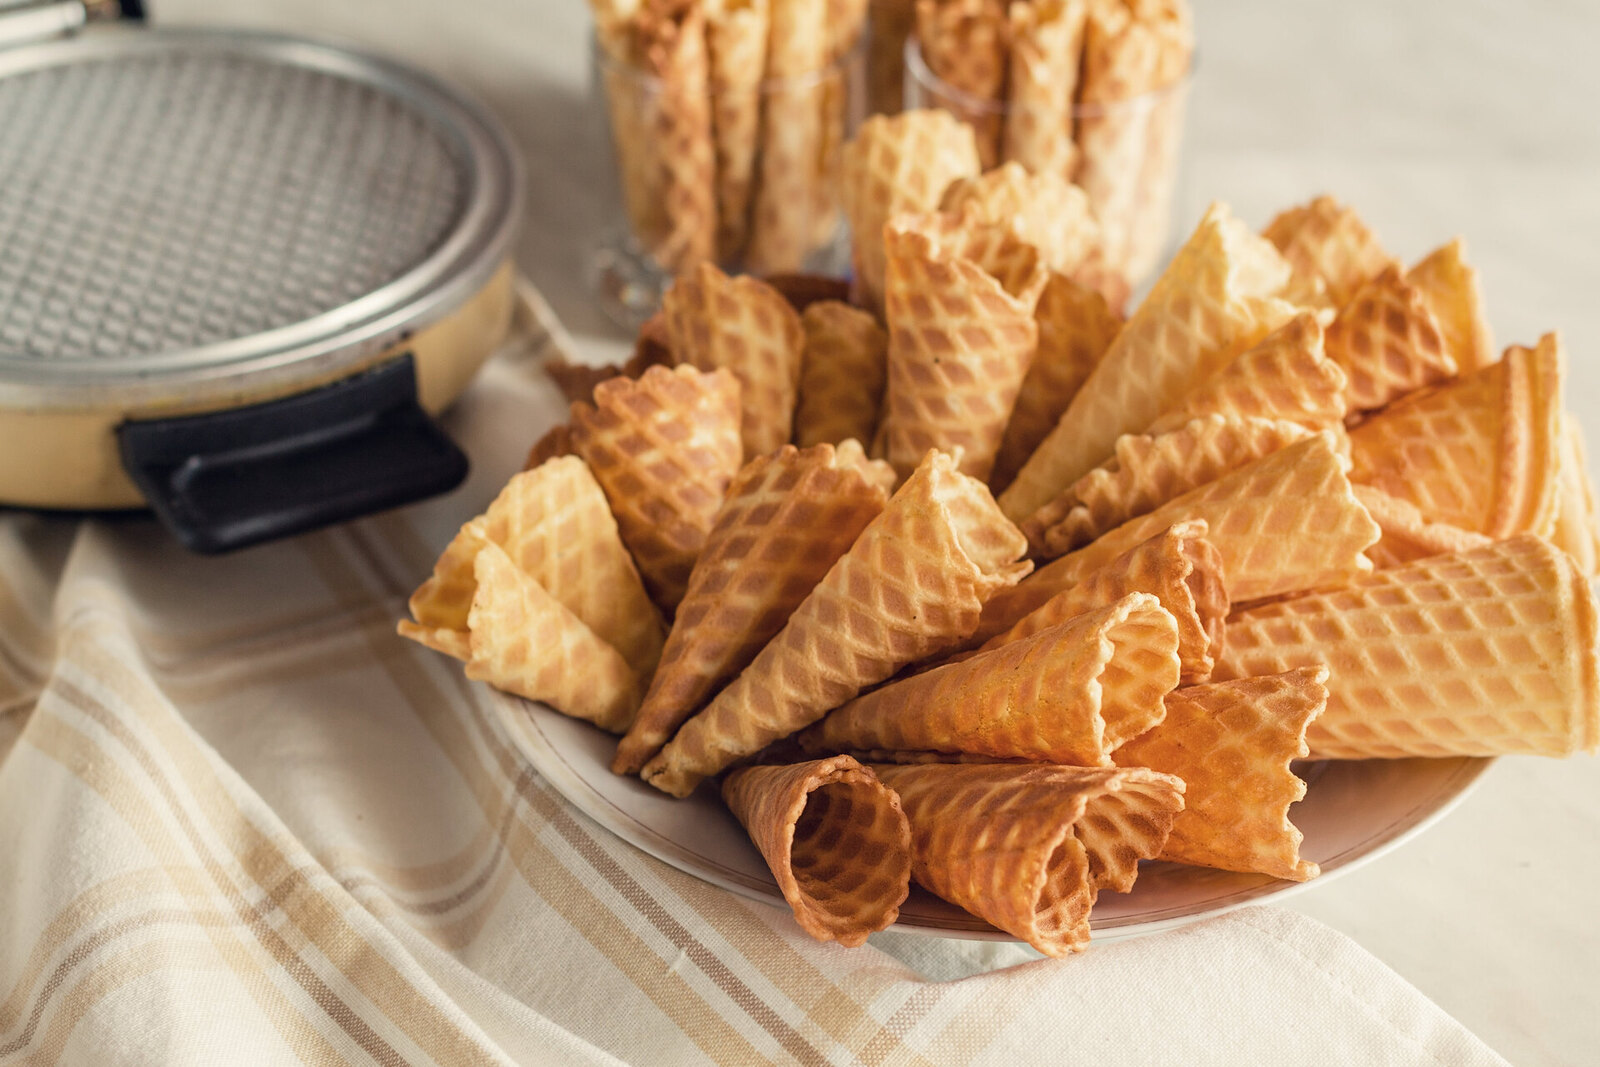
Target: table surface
(1432, 119)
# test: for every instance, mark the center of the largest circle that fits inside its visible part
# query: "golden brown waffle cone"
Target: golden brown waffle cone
(787, 518)
(639, 165)
(1388, 343)
(964, 43)
(1046, 48)
(526, 642)
(1043, 210)
(846, 19)
(1577, 531)
(1179, 567)
(664, 449)
(747, 326)
(1233, 744)
(441, 603)
(1285, 523)
(1027, 848)
(1327, 243)
(1075, 329)
(1449, 287)
(736, 35)
(1482, 653)
(842, 374)
(834, 837)
(1407, 533)
(890, 22)
(1286, 376)
(577, 380)
(896, 164)
(960, 345)
(1213, 302)
(911, 586)
(1482, 453)
(555, 443)
(1068, 694)
(793, 137)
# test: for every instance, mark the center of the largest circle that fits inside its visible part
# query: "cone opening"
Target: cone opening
(850, 854)
(1061, 910)
(1141, 667)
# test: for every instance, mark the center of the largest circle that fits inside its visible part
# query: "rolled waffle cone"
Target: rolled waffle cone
(736, 35)
(664, 449)
(1076, 327)
(1042, 209)
(1330, 249)
(441, 604)
(1407, 533)
(960, 343)
(526, 642)
(1233, 744)
(803, 290)
(1388, 343)
(1577, 531)
(911, 586)
(1214, 301)
(1179, 567)
(1482, 453)
(639, 165)
(964, 43)
(1046, 49)
(1068, 694)
(793, 137)
(834, 837)
(890, 22)
(1028, 848)
(555, 443)
(747, 326)
(1449, 287)
(846, 19)
(897, 164)
(843, 374)
(1482, 653)
(787, 518)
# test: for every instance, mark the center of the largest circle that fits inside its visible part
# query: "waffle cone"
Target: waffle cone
(441, 603)
(1482, 453)
(1330, 249)
(736, 35)
(1577, 531)
(1483, 653)
(1046, 49)
(964, 43)
(1449, 287)
(834, 837)
(911, 586)
(664, 449)
(1388, 343)
(843, 374)
(638, 153)
(889, 23)
(1028, 848)
(1407, 533)
(787, 518)
(793, 137)
(555, 443)
(1233, 744)
(1213, 302)
(1042, 209)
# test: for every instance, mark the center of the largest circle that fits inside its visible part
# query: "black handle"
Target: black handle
(234, 478)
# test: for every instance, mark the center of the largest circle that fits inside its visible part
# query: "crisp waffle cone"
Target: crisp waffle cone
(1233, 744)
(640, 169)
(747, 326)
(964, 43)
(960, 342)
(1076, 327)
(1407, 533)
(524, 641)
(889, 23)
(843, 373)
(664, 449)
(1068, 694)
(1484, 653)
(1147, 470)
(846, 19)
(1179, 567)
(1285, 523)
(793, 137)
(834, 837)
(1577, 532)
(1482, 453)
(911, 586)
(556, 442)
(736, 35)
(1028, 848)
(1286, 376)
(896, 164)
(1388, 343)
(1046, 49)
(1042, 209)
(441, 603)
(1449, 287)
(1330, 249)
(787, 518)
(1214, 301)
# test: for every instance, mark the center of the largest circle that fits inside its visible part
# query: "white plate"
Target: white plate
(1353, 812)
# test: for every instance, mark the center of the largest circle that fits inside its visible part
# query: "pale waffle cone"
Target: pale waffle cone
(1043, 210)
(964, 45)
(1286, 376)
(960, 345)
(526, 642)
(1179, 567)
(1213, 302)
(1482, 453)
(896, 164)
(1046, 48)
(1449, 287)
(746, 326)
(1388, 343)
(793, 137)
(1027, 848)
(835, 839)
(843, 372)
(845, 21)
(736, 35)
(664, 449)
(1157, 182)
(911, 586)
(1285, 523)
(1330, 249)
(1577, 532)
(1233, 744)
(1147, 470)
(441, 603)
(1076, 327)
(787, 518)
(1408, 534)
(890, 22)
(1068, 694)
(1489, 652)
